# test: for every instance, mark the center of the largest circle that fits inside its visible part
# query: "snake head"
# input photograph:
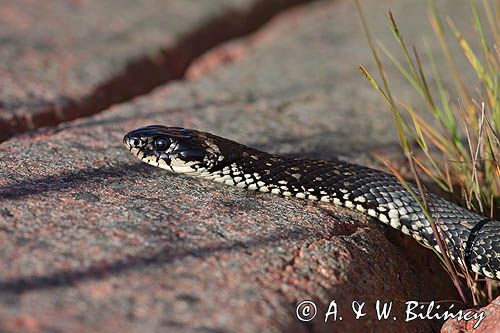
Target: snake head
(175, 149)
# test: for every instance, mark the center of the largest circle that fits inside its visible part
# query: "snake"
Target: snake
(469, 239)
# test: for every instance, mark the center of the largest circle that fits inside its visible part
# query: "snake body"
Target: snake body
(471, 240)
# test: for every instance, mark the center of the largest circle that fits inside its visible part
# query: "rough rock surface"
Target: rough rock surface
(91, 239)
(61, 60)
(490, 323)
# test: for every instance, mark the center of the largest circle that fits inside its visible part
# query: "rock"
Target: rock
(63, 60)
(490, 322)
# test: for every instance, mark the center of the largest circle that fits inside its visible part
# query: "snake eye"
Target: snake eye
(161, 144)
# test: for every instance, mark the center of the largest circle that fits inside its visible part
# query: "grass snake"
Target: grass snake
(472, 241)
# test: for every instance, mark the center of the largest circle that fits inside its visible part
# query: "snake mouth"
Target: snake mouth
(126, 143)
(139, 147)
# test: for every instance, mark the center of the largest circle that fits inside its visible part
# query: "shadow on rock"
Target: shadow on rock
(164, 255)
(64, 180)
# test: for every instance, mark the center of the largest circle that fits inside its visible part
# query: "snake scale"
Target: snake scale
(472, 241)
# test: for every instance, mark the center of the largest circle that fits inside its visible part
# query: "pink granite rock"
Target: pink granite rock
(489, 323)
(60, 60)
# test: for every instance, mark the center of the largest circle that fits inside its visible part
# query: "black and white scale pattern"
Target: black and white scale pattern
(470, 238)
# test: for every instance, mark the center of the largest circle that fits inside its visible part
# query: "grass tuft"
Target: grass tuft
(459, 148)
